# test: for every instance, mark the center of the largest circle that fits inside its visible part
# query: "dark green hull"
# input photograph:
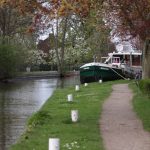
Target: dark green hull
(95, 73)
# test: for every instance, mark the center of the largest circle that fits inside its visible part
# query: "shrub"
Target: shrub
(11, 57)
(145, 86)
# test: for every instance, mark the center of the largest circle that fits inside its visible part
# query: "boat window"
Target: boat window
(136, 60)
(116, 60)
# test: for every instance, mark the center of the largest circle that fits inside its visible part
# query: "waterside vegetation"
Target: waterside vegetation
(53, 120)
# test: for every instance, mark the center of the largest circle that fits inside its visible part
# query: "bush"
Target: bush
(145, 86)
(11, 57)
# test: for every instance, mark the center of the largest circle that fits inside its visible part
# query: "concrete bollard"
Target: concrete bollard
(54, 144)
(77, 88)
(28, 69)
(100, 81)
(70, 97)
(85, 84)
(74, 115)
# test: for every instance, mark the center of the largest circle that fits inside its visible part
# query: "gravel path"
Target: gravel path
(120, 127)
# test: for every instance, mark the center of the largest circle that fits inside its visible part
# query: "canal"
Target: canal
(20, 99)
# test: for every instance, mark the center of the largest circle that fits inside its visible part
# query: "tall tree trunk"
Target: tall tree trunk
(146, 60)
(60, 54)
(62, 70)
(56, 47)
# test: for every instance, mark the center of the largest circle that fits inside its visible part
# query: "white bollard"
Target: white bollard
(54, 144)
(70, 97)
(28, 69)
(74, 115)
(85, 84)
(100, 81)
(77, 88)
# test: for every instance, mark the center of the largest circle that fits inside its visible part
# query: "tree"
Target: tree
(11, 58)
(35, 57)
(59, 11)
(97, 35)
(62, 29)
(15, 43)
(11, 23)
(131, 18)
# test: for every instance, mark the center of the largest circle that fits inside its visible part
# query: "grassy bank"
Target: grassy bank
(141, 104)
(54, 120)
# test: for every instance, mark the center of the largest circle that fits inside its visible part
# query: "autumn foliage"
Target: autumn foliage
(61, 7)
(51, 8)
(131, 18)
(128, 17)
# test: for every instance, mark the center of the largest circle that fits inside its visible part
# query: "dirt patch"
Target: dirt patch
(120, 127)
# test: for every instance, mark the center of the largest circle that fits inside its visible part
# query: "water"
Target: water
(19, 100)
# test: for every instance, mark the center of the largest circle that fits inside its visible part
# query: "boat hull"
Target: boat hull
(95, 73)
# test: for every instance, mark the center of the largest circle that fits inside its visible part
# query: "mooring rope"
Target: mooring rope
(118, 74)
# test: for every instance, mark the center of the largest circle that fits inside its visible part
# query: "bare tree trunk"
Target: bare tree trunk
(146, 60)
(60, 54)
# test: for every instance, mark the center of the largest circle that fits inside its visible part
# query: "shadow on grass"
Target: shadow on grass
(69, 121)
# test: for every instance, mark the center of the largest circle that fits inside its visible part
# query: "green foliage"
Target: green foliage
(141, 103)
(11, 57)
(12, 23)
(97, 35)
(145, 86)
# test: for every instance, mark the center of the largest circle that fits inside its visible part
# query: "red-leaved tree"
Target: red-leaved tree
(129, 19)
(55, 10)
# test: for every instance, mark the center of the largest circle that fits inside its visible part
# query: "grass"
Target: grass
(141, 104)
(53, 120)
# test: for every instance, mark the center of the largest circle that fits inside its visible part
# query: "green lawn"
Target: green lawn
(53, 120)
(141, 104)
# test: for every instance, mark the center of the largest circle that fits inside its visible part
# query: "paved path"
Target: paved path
(120, 127)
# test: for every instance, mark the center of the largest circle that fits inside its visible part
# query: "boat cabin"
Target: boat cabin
(129, 62)
(130, 59)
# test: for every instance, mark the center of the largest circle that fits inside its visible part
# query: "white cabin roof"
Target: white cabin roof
(125, 53)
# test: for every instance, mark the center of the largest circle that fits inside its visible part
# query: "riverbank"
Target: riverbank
(53, 120)
(43, 74)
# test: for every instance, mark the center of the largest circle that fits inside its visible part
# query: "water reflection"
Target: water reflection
(69, 81)
(19, 99)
